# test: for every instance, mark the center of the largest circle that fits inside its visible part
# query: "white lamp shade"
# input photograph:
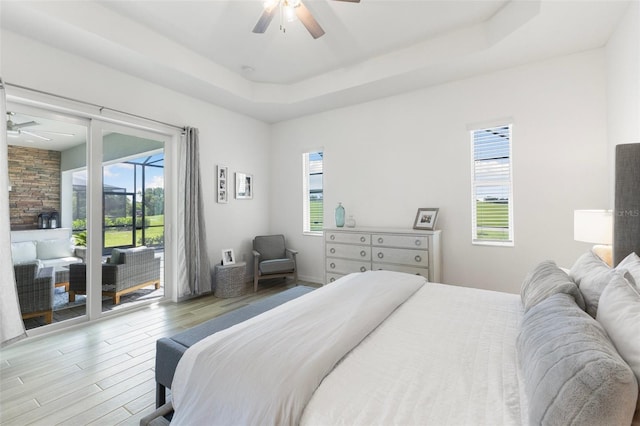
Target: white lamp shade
(593, 226)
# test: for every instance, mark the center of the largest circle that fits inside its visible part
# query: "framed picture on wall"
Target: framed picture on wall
(244, 186)
(426, 219)
(222, 185)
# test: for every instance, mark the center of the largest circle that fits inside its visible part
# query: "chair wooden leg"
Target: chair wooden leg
(48, 317)
(255, 284)
(72, 296)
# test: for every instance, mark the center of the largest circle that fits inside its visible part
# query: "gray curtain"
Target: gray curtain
(195, 264)
(11, 325)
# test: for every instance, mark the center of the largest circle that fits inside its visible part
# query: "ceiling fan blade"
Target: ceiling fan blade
(34, 135)
(265, 19)
(309, 21)
(26, 124)
(53, 133)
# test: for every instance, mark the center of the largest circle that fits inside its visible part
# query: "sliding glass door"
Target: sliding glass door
(133, 207)
(88, 214)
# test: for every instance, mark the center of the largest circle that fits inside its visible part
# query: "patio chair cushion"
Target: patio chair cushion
(24, 251)
(54, 249)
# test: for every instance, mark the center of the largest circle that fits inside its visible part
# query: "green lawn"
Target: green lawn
(317, 214)
(494, 216)
(116, 237)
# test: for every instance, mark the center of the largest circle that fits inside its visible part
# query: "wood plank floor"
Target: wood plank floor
(101, 373)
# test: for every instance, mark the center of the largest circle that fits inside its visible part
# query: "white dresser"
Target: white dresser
(350, 250)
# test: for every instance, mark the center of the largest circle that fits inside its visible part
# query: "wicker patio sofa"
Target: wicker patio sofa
(127, 270)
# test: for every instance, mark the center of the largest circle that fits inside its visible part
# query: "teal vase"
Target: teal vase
(339, 216)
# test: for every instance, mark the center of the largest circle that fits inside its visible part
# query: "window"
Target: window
(492, 189)
(312, 187)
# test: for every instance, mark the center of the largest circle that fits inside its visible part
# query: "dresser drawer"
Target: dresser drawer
(404, 241)
(348, 251)
(342, 266)
(423, 272)
(347, 238)
(418, 258)
(332, 277)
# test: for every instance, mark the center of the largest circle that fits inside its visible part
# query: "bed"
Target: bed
(390, 348)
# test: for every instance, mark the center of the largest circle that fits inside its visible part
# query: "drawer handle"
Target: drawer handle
(363, 239)
(363, 253)
(332, 237)
(363, 269)
(380, 255)
(333, 250)
(332, 280)
(418, 242)
(332, 265)
(380, 240)
(418, 258)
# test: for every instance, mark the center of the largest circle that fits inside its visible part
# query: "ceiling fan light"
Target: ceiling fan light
(270, 4)
(290, 13)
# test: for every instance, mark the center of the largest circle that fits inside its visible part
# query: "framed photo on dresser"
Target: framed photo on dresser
(426, 219)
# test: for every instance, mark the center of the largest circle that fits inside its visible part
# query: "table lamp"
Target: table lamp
(595, 226)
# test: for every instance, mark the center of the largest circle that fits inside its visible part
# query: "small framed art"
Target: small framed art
(426, 219)
(228, 258)
(244, 186)
(223, 187)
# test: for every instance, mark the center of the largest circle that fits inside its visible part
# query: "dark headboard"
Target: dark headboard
(626, 221)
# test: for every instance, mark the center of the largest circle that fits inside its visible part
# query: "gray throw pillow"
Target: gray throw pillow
(573, 374)
(545, 280)
(115, 256)
(591, 275)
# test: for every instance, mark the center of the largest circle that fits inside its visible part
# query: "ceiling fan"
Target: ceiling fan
(290, 9)
(16, 129)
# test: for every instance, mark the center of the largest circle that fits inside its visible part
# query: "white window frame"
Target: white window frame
(306, 190)
(500, 181)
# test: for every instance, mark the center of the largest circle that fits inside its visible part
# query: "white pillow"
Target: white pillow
(632, 264)
(53, 249)
(23, 252)
(619, 314)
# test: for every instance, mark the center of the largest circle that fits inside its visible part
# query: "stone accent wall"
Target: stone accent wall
(35, 185)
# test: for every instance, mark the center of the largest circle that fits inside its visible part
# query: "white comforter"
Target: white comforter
(264, 370)
(446, 357)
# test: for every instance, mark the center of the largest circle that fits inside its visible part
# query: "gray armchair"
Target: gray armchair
(35, 290)
(272, 259)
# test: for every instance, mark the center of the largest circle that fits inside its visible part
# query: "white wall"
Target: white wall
(228, 138)
(386, 158)
(623, 86)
